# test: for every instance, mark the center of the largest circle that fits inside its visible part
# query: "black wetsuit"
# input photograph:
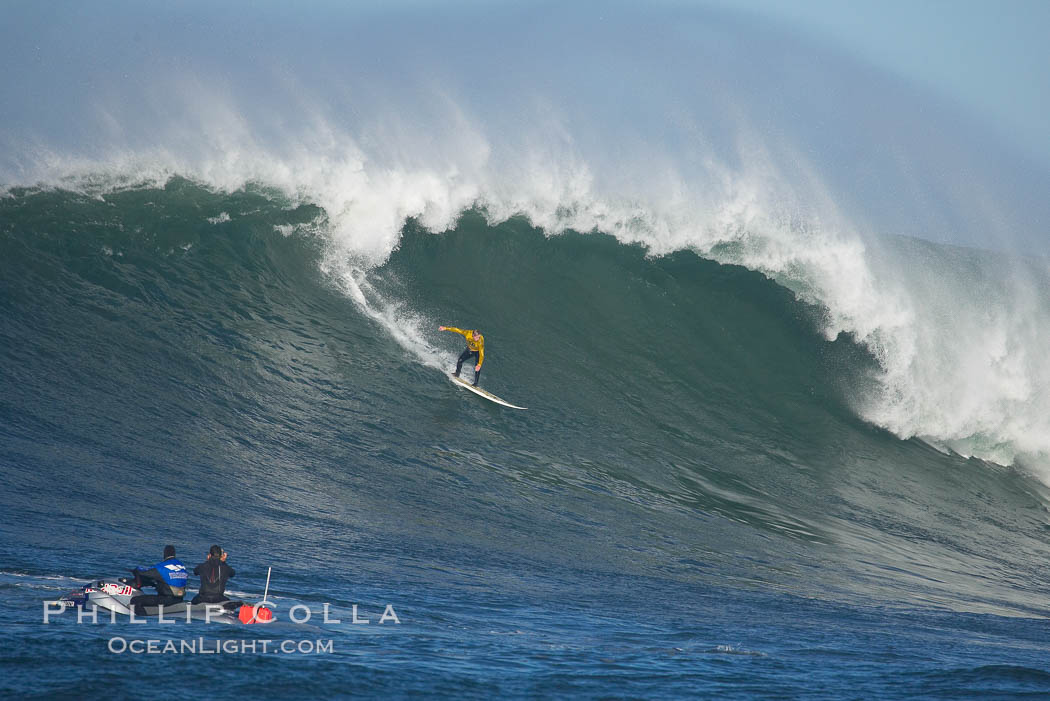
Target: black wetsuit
(214, 574)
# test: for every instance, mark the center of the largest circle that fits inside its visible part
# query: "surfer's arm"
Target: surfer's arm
(481, 356)
(461, 332)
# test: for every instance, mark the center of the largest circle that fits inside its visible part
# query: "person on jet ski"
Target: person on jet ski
(168, 577)
(214, 573)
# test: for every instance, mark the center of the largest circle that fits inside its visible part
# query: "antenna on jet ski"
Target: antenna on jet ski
(267, 590)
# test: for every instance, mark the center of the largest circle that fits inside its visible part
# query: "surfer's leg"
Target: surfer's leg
(463, 356)
(477, 373)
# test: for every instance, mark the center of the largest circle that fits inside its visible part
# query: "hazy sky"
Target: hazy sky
(991, 55)
(658, 102)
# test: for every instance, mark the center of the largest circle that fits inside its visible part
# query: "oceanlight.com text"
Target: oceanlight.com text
(200, 646)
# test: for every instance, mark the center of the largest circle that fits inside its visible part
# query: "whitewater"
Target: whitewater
(778, 317)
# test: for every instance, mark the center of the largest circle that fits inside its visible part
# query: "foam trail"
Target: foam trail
(406, 328)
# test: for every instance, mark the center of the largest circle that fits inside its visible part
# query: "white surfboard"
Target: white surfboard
(480, 392)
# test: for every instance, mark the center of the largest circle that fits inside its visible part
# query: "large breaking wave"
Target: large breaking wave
(679, 130)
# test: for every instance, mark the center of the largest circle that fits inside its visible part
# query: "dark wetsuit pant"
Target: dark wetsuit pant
(140, 602)
(459, 366)
(143, 600)
(209, 599)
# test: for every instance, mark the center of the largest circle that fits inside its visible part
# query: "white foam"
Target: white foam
(411, 331)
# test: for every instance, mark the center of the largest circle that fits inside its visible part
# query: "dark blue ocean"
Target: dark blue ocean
(779, 320)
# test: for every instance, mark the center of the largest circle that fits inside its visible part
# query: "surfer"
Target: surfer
(168, 577)
(214, 573)
(475, 347)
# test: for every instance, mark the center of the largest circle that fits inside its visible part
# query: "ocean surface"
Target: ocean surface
(780, 322)
(690, 505)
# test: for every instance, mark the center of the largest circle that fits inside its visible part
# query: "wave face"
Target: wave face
(674, 390)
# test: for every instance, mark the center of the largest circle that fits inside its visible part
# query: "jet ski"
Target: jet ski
(116, 595)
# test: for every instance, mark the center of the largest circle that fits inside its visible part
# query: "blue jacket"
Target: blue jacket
(168, 576)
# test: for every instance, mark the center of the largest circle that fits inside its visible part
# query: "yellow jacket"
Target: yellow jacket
(475, 341)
